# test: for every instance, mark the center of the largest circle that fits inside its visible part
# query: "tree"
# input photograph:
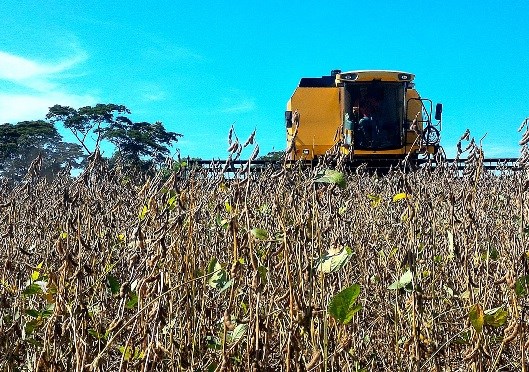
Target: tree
(273, 156)
(139, 145)
(21, 143)
(86, 120)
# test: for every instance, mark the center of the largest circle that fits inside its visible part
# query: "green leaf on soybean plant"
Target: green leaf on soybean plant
(214, 342)
(259, 233)
(33, 313)
(226, 285)
(133, 300)
(127, 352)
(239, 331)
(218, 276)
(33, 288)
(496, 317)
(47, 311)
(30, 326)
(262, 271)
(331, 262)
(493, 253)
(477, 317)
(520, 286)
(403, 281)
(172, 202)
(224, 223)
(113, 284)
(95, 334)
(342, 306)
(331, 176)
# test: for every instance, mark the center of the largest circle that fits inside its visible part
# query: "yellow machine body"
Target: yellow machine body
(326, 113)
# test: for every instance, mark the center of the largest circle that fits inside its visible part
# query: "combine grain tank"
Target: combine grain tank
(367, 114)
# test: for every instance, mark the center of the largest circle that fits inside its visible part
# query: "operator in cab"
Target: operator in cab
(368, 125)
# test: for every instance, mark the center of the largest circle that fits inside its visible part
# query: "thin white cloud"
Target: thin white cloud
(237, 102)
(154, 96)
(32, 74)
(17, 68)
(152, 93)
(20, 107)
(240, 107)
(36, 86)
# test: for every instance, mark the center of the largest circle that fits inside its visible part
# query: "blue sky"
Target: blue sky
(200, 67)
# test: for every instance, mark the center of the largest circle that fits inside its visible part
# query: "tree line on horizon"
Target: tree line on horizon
(138, 145)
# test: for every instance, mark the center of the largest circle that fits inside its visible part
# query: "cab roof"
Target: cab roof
(370, 75)
(336, 77)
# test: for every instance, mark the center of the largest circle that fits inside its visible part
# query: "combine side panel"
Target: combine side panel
(320, 119)
(414, 106)
(413, 110)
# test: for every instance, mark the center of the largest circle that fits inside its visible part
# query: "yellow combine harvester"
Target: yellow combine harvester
(366, 114)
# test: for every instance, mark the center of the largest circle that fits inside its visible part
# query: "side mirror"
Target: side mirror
(438, 111)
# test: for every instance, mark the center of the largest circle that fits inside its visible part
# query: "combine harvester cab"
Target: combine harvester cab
(369, 115)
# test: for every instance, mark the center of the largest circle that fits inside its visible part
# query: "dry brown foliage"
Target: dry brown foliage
(97, 273)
